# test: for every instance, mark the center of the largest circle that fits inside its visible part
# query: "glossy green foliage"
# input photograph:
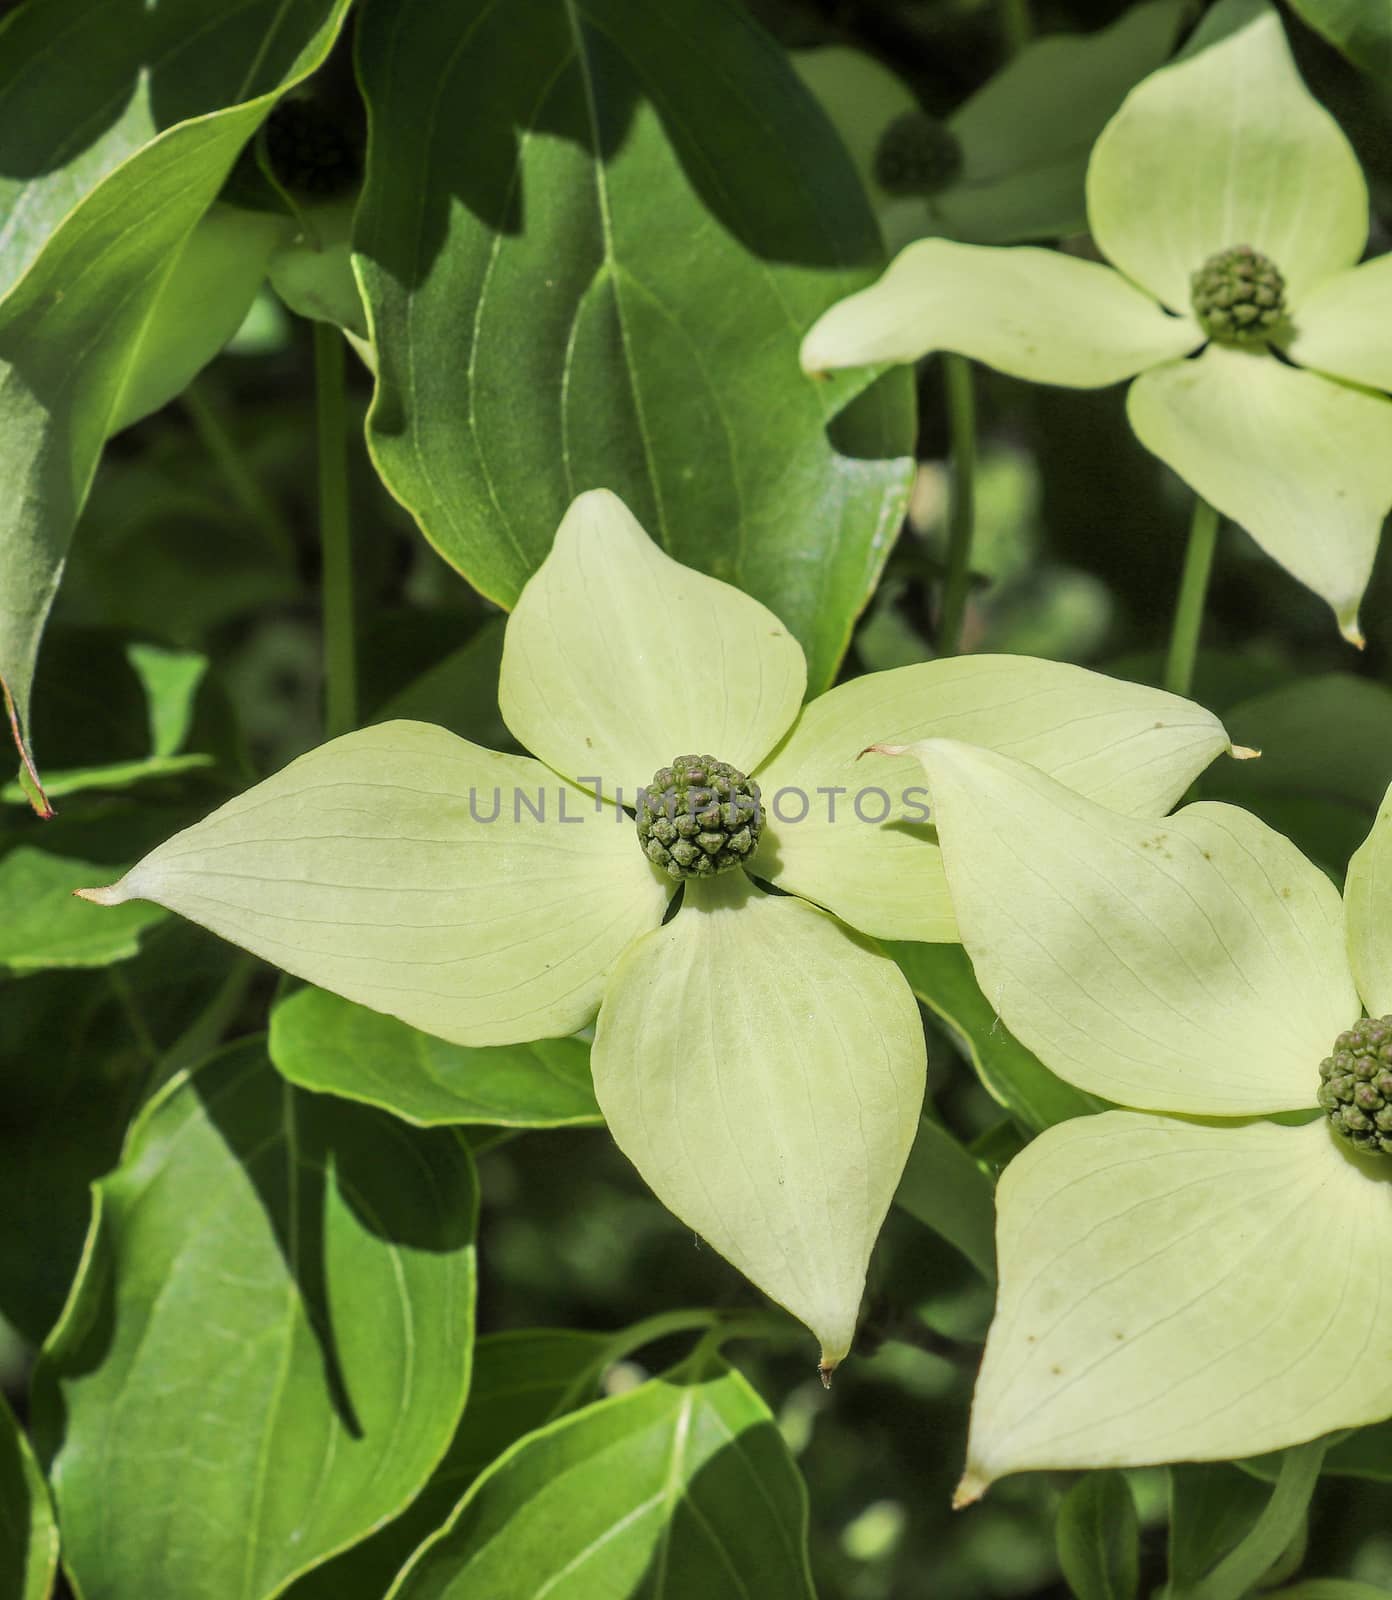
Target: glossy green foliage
(654, 197)
(1099, 1538)
(648, 1494)
(96, 238)
(273, 1322)
(335, 1047)
(945, 1188)
(520, 1381)
(46, 926)
(78, 1049)
(1362, 29)
(28, 1534)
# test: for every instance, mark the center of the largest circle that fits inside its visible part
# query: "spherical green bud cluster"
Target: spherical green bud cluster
(917, 154)
(1357, 1086)
(309, 152)
(1238, 295)
(698, 817)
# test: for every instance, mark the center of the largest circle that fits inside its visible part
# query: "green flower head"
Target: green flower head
(1174, 1277)
(1233, 212)
(755, 1056)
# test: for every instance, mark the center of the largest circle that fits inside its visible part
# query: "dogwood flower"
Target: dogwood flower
(1208, 1275)
(758, 1060)
(1009, 163)
(1233, 212)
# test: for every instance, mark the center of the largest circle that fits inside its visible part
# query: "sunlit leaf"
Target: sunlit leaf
(634, 1495)
(1099, 1538)
(665, 216)
(286, 1275)
(74, 326)
(41, 925)
(332, 1046)
(28, 1534)
(520, 1381)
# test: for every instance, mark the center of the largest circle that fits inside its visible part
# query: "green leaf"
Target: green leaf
(1212, 1507)
(1281, 452)
(1265, 1548)
(1099, 1538)
(272, 1324)
(1226, 146)
(1365, 1453)
(945, 1188)
(332, 1046)
(79, 1049)
(74, 328)
(1326, 744)
(459, 692)
(941, 976)
(654, 197)
(763, 1069)
(1035, 314)
(520, 1382)
(1132, 956)
(634, 1495)
(313, 273)
(411, 871)
(201, 304)
(1362, 30)
(1170, 1291)
(28, 1534)
(850, 829)
(1330, 1589)
(1368, 903)
(617, 659)
(170, 680)
(41, 925)
(85, 89)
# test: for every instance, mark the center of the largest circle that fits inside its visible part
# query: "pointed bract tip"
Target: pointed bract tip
(112, 895)
(884, 750)
(1243, 752)
(825, 1369)
(969, 1490)
(1353, 633)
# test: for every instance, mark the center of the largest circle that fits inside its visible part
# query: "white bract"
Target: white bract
(1185, 1280)
(760, 1063)
(1223, 148)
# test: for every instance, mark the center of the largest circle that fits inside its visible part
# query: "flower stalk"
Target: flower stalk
(1193, 589)
(340, 651)
(961, 516)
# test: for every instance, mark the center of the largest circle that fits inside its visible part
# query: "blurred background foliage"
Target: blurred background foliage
(183, 662)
